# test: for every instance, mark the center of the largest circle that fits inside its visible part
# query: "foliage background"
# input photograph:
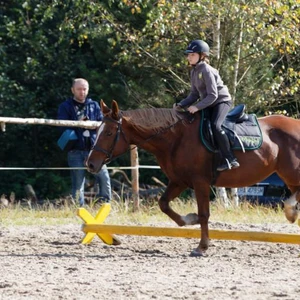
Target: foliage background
(132, 51)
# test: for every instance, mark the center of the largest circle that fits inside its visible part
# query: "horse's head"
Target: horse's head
(110, 140)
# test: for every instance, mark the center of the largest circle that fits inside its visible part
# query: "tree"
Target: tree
(132, 51)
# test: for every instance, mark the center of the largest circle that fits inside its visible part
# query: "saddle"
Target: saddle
(242, 129)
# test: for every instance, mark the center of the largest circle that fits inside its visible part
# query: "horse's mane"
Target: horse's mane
(152, 118)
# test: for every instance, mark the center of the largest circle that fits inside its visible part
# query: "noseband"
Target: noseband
(109, 152)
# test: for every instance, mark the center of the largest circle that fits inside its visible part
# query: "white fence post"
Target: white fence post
(222, 195)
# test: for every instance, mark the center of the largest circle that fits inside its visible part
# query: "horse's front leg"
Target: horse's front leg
(202, 195)
(172, 191)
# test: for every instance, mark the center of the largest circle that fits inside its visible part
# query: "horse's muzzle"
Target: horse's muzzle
(92, 168)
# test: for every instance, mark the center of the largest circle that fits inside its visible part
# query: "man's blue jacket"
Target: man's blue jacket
(92, 111)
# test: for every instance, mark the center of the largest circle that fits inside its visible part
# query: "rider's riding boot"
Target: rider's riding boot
(230, 162)
(234, 164)
(228, 165)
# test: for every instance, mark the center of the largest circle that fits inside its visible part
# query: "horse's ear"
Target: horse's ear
(115, 110)
(105, 109)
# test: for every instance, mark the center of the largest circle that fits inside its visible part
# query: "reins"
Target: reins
(191, 119)
(109, 152)
(156, 134)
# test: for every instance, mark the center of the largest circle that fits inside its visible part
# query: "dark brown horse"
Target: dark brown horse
(186, 162)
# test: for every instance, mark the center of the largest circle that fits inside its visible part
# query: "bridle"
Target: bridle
(109, 152)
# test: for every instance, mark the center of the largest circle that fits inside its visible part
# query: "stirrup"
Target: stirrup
(234, 164)
(225, 166)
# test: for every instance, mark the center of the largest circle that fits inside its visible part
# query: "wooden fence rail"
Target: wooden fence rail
(51, 122)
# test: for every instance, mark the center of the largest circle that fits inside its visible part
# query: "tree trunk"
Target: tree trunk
(234, 193)
(135, 177)
(220, 191)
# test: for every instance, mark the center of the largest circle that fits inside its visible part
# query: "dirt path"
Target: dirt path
(50, 263)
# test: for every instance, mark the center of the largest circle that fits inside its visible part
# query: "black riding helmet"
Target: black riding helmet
(197, 46)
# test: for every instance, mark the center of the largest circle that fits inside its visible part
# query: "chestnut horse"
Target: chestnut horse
(187, 163)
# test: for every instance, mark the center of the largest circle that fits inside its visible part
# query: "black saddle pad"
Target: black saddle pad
(244, 132)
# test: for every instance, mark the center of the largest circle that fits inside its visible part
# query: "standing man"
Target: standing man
(79, 107)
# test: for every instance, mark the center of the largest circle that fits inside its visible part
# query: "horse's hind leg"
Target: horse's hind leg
(292, 204)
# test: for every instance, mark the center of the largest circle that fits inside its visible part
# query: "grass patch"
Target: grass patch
(148, 214)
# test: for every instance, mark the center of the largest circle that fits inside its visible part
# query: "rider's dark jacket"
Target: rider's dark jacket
(207, 88)
(89, 110)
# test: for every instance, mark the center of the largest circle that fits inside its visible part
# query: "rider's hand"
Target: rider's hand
(177, 107)
(192, 109)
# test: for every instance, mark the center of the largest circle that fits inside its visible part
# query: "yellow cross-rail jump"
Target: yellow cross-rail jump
(106, 233)
(103, 212)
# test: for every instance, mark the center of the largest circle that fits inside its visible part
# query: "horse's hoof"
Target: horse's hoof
(191, 219)
(196, 253)
(291, 213)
